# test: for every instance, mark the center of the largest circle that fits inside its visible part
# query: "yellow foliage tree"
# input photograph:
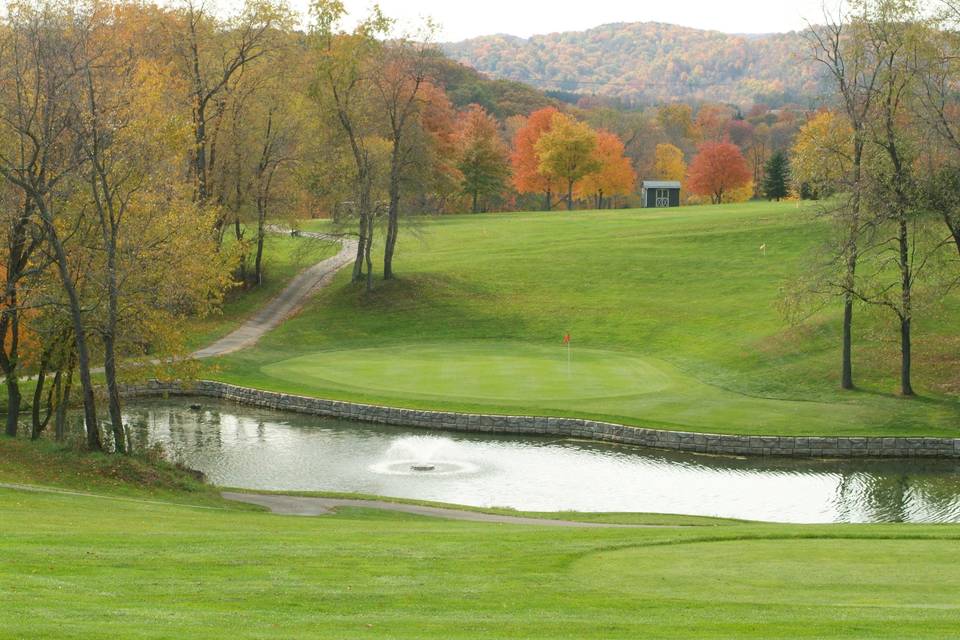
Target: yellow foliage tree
(821, 154)
(567, 152)
(668, 163)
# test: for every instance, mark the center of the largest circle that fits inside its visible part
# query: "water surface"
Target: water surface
(245, 447)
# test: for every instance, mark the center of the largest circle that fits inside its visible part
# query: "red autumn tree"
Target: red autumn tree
(615, 177)
(527, 177)
(718, 168)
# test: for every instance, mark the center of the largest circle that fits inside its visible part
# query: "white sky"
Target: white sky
(460, 19)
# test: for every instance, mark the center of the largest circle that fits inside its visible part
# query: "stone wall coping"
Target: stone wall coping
(691, 441)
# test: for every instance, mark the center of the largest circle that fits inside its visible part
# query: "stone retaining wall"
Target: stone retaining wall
(783, 446)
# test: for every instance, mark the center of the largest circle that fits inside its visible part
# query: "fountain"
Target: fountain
(422, 455)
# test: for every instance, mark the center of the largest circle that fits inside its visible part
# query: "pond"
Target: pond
(252, 448)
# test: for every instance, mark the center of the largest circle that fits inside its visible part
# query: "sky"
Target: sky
(461, 19)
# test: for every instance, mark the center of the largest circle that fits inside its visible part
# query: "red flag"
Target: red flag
(566, 339)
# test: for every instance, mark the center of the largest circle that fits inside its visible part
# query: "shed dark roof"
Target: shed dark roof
(661, 184)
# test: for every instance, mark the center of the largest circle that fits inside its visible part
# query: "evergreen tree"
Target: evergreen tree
(777, 177)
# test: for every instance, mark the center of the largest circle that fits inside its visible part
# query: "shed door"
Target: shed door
(663, 197)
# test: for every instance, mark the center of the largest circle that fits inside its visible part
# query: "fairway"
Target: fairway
(220, 570)
(676, 318)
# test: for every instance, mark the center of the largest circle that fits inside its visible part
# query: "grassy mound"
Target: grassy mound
(46, 463)
(675, 317)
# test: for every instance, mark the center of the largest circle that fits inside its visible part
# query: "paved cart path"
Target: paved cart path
(309, 506)
(286, 303)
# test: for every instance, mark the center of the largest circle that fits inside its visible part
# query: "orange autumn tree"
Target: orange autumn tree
(527, 177)
(615, 177)
(718, 169)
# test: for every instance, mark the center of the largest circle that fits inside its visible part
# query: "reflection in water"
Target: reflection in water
(259, 449)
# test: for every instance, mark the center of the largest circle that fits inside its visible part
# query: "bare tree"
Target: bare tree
(400, 75)
(214, 58)
(854, 74)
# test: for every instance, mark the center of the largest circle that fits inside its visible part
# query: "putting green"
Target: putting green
(502, 371)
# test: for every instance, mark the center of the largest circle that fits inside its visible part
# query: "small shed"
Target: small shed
(661, 193)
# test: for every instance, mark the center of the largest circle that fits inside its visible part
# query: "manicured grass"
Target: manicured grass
(675, 318)
(284, 258)
(94, 567)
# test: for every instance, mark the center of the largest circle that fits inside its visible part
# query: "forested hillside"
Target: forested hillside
(651, 62)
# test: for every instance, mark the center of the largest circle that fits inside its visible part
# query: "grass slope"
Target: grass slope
(93, 567)
(674, 316)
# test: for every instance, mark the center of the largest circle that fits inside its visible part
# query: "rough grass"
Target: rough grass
(146, 475)
(685, 298)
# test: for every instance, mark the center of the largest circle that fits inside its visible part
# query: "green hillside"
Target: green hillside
(675, 319)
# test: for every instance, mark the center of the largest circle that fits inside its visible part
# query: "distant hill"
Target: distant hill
(651, 62)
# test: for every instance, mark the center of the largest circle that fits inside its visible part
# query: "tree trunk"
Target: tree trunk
(846, 376)
(476, 206)
(369, 251)
(906, 387)
(37, 423)
(954, 227)
(906, 317)
(393, 213)
(14, 398)
(10, 325)
(60, 426)
(569, 195)
(258, 261)
(850, 277)
(113, 393)
(548, 200)
(80, 338)
(361, 249)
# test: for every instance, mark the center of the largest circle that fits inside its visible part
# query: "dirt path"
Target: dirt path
(288, 302)
(305, 506)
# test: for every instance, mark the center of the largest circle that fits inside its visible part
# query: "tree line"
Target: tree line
(883, 155)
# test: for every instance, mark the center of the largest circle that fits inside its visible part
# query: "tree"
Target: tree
(42, 81)
(776, 177)
(483, 157)
(676, 120)
(131, 140)
(713, 121)
(343, 90)
(717, 169)
(938, 63)
(527, 177)
(890, 38)
(400, 76)
(669, 164)
(821, 155)
(213, 59)
(838, 46)
(566, 152)
(615, 175)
